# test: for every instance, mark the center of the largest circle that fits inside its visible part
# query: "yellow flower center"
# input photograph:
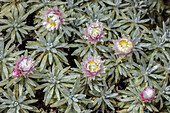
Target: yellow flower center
(124, 43)
(94, 31)
(53, 19)
(93, 66)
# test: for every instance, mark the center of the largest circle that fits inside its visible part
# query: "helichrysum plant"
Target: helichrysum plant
(49, 50)
(11, 103)
(84, 56)
(23, 76)
(15, 25)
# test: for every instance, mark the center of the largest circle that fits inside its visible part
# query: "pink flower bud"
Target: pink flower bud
(16, 73)
(94, 32)
(24, 66)
(148, 94)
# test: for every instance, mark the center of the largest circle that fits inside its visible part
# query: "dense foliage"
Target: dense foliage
(83, 56)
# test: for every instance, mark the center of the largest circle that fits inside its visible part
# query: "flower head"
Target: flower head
(92, 66)
(52, 18)
(24, 66)
(123, 46)
(148, 94)
(94, 32)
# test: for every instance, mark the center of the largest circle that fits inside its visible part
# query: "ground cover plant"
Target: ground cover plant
(84, 56)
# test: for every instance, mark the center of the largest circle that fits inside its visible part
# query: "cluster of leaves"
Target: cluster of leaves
(58, 55)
